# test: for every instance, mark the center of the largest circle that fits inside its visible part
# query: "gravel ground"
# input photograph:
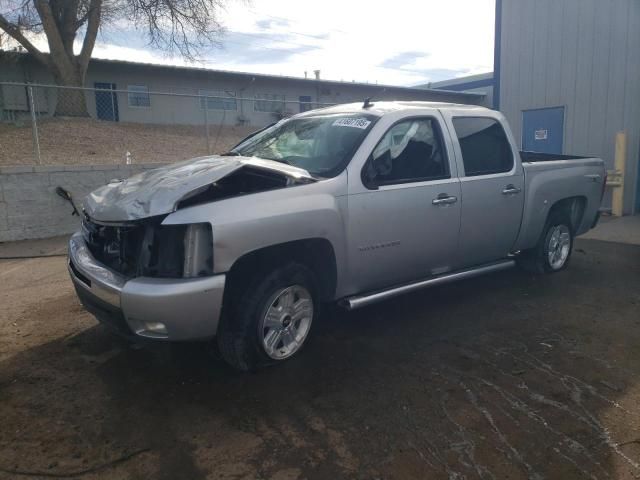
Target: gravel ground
(506, 376)
(68, 141)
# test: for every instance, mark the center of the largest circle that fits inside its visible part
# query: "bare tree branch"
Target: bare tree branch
(56, 47)
(182, 26)
(67, 13)
(185, 26)
(14, 32)
(93, 23)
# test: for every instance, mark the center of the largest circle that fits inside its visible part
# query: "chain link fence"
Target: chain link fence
(54, 125)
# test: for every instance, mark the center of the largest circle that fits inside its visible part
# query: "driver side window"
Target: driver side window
(411, 151)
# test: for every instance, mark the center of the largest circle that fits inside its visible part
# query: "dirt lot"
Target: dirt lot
(92, 142)
(507, 376)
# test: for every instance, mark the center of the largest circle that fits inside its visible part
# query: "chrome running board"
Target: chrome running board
(358, 301)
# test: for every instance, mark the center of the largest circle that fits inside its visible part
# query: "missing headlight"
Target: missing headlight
(148, 248)
(179, 251)
(198, 251)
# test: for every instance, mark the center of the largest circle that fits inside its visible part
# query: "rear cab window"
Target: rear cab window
(484, 145)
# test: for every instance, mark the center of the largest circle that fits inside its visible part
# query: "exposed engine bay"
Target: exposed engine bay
(163, 190)
(147, 248)
(241, 182)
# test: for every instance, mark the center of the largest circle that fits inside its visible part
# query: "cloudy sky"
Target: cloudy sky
(402, 42)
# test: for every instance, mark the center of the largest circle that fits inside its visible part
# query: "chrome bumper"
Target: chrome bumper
(188, 308)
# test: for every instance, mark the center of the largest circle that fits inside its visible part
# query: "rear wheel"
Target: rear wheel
(270, 320)
(558, 247)
(553, 251)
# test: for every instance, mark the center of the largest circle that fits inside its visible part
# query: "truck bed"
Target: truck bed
(533, 157)
(551, 178)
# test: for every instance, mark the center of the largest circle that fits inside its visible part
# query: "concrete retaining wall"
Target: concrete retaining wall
(29, 206)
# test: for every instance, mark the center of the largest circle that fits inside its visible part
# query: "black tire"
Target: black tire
(238, 338)
(536, 260)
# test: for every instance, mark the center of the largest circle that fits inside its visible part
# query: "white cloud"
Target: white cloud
(457, 35)
(401, 43)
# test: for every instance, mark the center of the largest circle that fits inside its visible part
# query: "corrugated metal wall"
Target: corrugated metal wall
(583, 55)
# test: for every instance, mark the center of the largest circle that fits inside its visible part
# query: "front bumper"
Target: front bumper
(189, 308)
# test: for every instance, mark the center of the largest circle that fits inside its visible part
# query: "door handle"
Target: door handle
(444, 199)
(511, 190)
(593, 177)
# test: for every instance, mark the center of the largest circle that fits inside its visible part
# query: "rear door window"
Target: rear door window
(484, 144)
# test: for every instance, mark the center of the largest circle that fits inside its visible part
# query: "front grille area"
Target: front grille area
(117, 247)
(147, 248)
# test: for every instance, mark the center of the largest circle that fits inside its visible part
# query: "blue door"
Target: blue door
(543, 130)
(305, 103)
(106, 102)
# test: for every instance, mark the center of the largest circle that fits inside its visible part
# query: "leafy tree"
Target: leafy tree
(174, 26)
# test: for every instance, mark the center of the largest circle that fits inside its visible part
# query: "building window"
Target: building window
(485, 147)
(218, 99)
(305, 103)
(267, 102)
(138, 96)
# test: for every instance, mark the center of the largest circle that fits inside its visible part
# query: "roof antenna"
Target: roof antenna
(367, 101)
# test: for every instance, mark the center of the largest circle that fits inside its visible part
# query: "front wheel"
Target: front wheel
(270, 320)
(553, 251)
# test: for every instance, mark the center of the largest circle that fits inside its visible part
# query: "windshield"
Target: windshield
(321, 144)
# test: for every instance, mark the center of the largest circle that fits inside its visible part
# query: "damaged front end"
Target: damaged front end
(165, 189)
(244, 181)
(145, 279)
(122, 222)
(155, 280)
(146, 248)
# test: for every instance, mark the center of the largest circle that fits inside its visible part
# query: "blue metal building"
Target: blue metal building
(567, 76)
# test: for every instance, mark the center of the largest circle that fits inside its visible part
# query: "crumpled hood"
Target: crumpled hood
(158, 191)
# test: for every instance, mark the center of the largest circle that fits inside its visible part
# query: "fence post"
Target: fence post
(113, 102)
(34, 125)
(206, 124)
(617, 175)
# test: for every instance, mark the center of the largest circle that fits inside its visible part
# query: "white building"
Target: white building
(236, 98)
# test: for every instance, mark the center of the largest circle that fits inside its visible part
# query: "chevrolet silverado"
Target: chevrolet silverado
(352, 204)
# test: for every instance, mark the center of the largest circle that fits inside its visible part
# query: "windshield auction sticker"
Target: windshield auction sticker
(362, 123)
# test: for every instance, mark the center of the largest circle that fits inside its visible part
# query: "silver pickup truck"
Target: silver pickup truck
(352, 204)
